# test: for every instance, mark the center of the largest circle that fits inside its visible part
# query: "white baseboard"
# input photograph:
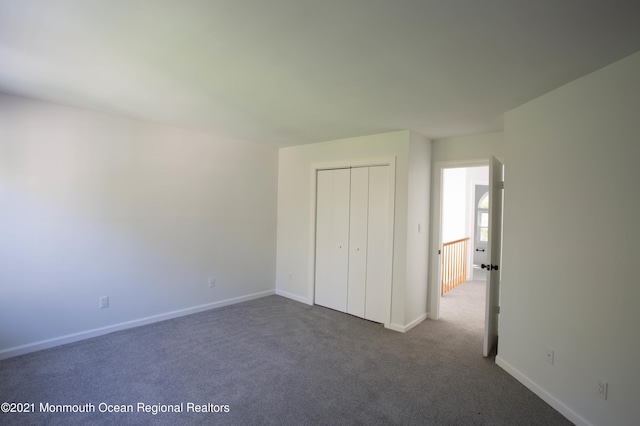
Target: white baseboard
(396, 327)
(295, 297)
(405, 328)
(546, 396)
(82, 335)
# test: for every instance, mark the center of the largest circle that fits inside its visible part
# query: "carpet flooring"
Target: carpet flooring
(464, 307)
(275, 361)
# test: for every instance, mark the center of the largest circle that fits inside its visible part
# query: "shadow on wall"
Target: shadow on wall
(96, 205)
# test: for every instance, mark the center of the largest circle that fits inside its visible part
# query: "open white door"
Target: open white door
(494, 246)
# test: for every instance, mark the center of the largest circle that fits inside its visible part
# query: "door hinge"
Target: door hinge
(497, 309)
(501, 185)
(489, 267)
(439, 251)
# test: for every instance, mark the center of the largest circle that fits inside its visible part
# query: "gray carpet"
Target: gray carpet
(464, 307)
(276, 361)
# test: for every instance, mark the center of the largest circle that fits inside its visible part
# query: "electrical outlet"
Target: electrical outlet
(602, 389)
(103, 302)
(212, 282)
(549, 356)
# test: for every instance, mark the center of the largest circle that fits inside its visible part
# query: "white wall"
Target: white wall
(294, 266)
(417, 230)
(454, 204)
(468, 147)
(570, 275)
(458, 204)
(95, 205)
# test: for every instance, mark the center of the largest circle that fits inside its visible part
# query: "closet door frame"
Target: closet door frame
(345, 164)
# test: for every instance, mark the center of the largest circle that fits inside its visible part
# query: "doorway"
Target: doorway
(437, 227)
(443, 213)
(464, 234)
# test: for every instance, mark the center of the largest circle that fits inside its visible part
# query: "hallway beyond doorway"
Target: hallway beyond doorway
(464, 306)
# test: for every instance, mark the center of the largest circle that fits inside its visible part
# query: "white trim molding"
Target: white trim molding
(295, 297)
(405, 328)
(88, 334)
(543, 394)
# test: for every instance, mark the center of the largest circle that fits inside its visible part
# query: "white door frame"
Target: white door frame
(436, 228)
(345, 164)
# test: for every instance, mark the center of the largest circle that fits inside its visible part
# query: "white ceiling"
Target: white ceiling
(288, 72)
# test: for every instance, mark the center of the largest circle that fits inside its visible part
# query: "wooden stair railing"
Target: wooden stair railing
(454, 264)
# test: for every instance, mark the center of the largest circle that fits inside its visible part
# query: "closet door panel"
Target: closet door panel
(358, 241)
(332, 238)
(378, 289)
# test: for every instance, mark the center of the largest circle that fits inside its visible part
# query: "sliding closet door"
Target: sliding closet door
(378, 288)
(332, 238)
(358, 241)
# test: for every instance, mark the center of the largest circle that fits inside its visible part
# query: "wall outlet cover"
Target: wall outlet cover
(602, 389)
(549, 355)
(104, 302)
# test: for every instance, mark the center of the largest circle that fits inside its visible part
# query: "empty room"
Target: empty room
(239, 212)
